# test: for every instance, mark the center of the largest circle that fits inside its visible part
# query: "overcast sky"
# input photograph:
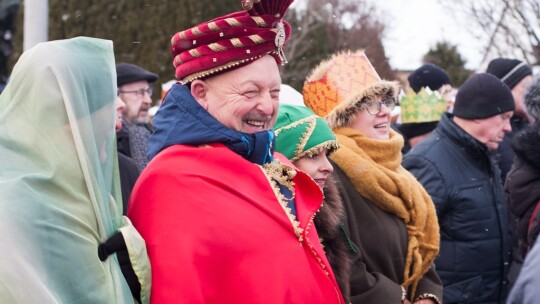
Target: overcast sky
(416, 26)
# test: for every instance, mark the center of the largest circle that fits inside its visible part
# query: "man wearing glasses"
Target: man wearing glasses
(135, 90)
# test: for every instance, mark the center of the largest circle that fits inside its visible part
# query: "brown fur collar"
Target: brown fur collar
(328, 221)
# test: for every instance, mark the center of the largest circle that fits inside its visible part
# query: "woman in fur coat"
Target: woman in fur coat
(522, 186)
(306, 140)
(388, 214)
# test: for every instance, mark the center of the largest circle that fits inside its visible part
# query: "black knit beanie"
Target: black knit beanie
(511, 71)
(481, 96)
(428, 75)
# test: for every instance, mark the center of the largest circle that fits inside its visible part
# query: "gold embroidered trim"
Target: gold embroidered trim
(194, 53)
(232, 22)
(216, 47)
(260, 21)
(177, 60)
(312, 249)
(196, 31)
(237, 43)
(256, 38)
(213, 26)
(173, 39)
(183, 35)
(330, 146)
(429, 296)
(211, 71)
(294, 124)
(305, 136)
(276, 172)
(281, 174)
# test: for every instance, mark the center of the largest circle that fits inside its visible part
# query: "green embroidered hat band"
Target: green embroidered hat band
(299, 133)
(426, 106)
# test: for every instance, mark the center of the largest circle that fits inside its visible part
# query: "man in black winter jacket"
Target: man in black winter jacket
(457, 166)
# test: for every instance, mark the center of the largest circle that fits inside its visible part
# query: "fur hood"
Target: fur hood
(342, 114)
(328, 222)
(526, 145)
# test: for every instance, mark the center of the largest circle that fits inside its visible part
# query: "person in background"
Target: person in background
(223, 219)
(135, 89)
(59, 194)
(516, 75)
(422, 110)
(526, 289)
(306, 140)
(457, 165)
(522, 187)
(419, 115)
(436, 79)
(126, 166)
(385, 206)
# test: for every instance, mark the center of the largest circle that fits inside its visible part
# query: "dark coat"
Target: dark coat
(381, 241)
(329, 227)
(128, 176)
(464, 182)
(506, 153)
(522, 189)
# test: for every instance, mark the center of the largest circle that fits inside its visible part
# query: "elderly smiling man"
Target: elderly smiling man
(225, 221)
(456, 164)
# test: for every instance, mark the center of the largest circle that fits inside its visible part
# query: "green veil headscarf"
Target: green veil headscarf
(299, 133)
(59, 184)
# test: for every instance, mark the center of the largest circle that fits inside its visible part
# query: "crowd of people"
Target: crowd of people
(231, 194)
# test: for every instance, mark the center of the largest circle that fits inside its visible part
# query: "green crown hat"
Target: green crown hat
(426, 106)
(299, 133)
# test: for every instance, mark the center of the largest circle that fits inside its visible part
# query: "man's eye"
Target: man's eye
(250, 94)
(274, 94)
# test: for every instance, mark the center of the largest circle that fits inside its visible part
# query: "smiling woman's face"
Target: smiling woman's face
(373, 126)
(245, 99)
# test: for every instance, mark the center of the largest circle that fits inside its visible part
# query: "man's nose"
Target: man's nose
(266, 105)
(147, 98)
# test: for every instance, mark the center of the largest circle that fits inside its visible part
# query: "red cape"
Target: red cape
(216, 233)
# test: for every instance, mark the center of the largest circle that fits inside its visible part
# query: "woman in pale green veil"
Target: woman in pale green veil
(59, 185)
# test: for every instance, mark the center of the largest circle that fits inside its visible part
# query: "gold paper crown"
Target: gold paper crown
(426, 106)
(340, 83)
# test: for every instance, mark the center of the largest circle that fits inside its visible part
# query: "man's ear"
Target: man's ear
(199, 90)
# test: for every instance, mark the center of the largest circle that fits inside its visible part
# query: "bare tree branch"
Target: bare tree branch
(504, 27)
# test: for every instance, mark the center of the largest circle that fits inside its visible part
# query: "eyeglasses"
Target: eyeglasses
(139, 93)
(374, 107)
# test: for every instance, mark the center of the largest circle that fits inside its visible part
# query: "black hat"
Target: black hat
(511, 71)
(481, 96)
(428, 75)
(410, 130)
(128, 73)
